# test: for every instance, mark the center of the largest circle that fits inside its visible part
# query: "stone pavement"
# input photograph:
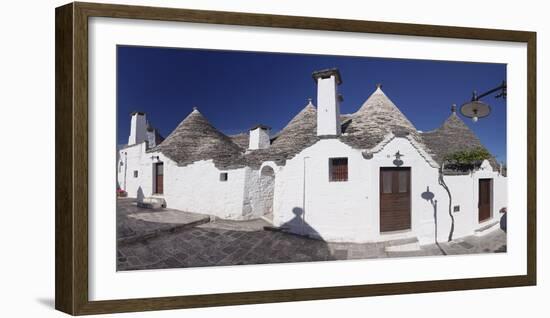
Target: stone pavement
(136, 224)
(223, 242)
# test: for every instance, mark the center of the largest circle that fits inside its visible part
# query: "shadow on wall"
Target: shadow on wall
(429, 196)
(444, 185)
(298, 225)
(139, 194)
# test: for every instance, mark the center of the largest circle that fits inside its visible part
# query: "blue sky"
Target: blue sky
(235, 90)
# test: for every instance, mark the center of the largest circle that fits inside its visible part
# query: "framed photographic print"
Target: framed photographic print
(218, 158)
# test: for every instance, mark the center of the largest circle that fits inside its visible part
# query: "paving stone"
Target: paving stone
(224, 242)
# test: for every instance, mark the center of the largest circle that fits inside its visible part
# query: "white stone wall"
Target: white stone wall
(252, 203)
(465, 194)
(197, 188)
(132, 158)
(194, 188)
(423, 177)
(335, 211)
(349, 211)
(305, 201)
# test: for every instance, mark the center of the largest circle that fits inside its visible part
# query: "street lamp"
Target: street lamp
(476, 109)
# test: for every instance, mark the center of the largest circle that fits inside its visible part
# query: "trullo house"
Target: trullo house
(362, 177)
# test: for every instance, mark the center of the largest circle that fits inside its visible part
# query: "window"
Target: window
(387, 176)
(223, 176)
(135, 173)
(403, 181)
(338, 169)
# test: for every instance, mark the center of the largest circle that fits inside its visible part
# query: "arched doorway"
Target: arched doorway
(267, 187)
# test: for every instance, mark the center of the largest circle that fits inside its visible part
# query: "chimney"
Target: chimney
(138, 128)
(328, 102)
(259, 137)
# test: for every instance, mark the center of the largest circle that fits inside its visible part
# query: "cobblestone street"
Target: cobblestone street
(223, 242)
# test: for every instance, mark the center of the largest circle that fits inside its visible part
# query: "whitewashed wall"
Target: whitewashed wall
(197, 188)
(335, 211)
(132, 158)
(423, 176)
(307, 203)
(465, 194)
(194, 188)
(349, 211)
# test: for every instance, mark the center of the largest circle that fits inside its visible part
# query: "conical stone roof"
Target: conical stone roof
(240, 140)
(298, 134)
(376, 118)
(196, 139)
(452, 136)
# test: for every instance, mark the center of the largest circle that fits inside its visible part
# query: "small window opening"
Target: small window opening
(338, 169)
(223, 176)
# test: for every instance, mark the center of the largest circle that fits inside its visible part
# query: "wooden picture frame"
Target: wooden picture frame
(71, 221)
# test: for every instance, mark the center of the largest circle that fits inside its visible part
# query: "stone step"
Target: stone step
(487, 228)
(403, 245)
(152, 203)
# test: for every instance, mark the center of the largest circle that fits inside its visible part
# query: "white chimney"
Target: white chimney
(138, 128)
(328, 102)
(259, 137)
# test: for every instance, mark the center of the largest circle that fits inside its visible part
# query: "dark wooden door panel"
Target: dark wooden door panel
(395, 199)
(159, 178)
(484, 199)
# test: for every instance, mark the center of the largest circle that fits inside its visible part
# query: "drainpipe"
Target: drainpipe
(304, 199)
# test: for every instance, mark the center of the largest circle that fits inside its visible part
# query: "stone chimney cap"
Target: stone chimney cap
(137, 113)
(326, 73)
(261, 127)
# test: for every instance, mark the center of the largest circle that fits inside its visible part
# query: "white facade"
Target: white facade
(195, 187)
(303, 200)
(349, 211)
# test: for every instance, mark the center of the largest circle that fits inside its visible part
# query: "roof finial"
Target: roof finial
(195, 108)
(309, 99)
(453, 109)
(379, 85)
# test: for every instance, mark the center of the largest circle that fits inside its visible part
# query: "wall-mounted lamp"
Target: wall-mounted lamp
(476, 109)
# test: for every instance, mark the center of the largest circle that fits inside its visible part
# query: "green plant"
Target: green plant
(466, 159)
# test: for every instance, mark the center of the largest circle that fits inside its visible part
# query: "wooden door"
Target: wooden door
(484, 200)
(159, 178)
(395, 199)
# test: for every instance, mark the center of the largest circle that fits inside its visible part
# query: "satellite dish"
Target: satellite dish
(475, 109)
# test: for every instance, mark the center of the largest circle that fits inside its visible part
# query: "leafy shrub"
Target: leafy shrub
(466, 160)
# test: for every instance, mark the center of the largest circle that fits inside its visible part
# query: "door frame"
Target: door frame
(409, 229)
(155, 185)
(491, 194)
